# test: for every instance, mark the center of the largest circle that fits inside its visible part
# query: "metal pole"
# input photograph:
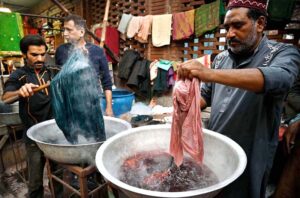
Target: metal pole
(40, 16)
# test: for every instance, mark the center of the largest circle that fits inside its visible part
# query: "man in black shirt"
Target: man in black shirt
(33, 107)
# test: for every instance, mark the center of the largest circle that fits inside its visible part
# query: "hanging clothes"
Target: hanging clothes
(134, 26)
(161, 30)
(125, 19)
(127, 62)
(143, 33)
(144, 78)
(186, 130)
(133, 81)
(161, 82)
(207, 18)
(171, 80)
(111, 41)
(183, 25)
(11, 32)
(164, 64)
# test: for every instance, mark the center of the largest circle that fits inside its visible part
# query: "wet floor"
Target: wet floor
(13, 184)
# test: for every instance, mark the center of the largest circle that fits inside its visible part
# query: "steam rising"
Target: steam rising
(76, 100)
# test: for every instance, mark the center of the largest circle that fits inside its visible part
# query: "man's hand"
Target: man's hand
(194, 68)
(290, 135)
(27, 90)
(109, 112)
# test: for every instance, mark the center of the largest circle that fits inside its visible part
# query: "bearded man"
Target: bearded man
(246, 89)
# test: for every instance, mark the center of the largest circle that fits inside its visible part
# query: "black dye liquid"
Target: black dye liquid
(156, 171)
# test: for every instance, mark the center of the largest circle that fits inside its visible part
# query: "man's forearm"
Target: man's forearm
(108, 97)
(249, 79)
(10, 94)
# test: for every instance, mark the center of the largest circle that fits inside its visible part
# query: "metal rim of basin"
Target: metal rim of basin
(46, 123)
(240, 169)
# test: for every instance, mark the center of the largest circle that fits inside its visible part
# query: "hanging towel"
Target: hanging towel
(134, 26)
(186, 130)
(125, 19)
(144, 30)
(161, 30)
(183, 24)
(207, 17)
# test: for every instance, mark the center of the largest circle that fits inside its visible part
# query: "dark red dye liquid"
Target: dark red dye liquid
(156, 171)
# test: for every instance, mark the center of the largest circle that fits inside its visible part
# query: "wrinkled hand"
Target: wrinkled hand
(193, 68)
(109, 112)
(27, 90)
(290, 135)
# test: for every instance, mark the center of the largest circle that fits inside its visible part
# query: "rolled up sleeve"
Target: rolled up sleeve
(281, 73)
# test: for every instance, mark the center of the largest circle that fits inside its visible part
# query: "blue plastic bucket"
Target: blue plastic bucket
(121, 101)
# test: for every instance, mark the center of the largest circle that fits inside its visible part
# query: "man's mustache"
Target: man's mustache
(38, 63)
(233, 40)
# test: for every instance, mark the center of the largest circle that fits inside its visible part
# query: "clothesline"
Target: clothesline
(180, 25)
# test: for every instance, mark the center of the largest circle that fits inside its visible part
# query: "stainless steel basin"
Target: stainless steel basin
(53, 143)
(12, 117)
(222, 155)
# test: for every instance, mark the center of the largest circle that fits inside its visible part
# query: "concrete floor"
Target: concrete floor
(14, 185)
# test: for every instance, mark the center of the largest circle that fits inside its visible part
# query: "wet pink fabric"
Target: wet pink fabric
(186, 130)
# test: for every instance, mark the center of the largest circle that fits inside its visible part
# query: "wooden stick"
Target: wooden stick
(108, 50)
(104, 24)
(16, 97)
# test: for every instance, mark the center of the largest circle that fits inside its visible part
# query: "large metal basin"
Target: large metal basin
(53, 143)
(222, 155)
(10, 117)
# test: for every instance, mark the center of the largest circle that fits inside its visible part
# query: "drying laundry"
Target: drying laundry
(125, 19)
(161, 30)
(134, 26)
(145, 29)
(183, 25)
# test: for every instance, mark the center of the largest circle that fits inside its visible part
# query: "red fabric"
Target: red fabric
(27, 28)
(111, 40)
(255, 4)
(186, 130)
(282, 130)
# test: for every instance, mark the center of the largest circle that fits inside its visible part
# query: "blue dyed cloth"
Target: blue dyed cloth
(76, 100)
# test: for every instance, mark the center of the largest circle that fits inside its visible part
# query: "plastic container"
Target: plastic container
(122, 101)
